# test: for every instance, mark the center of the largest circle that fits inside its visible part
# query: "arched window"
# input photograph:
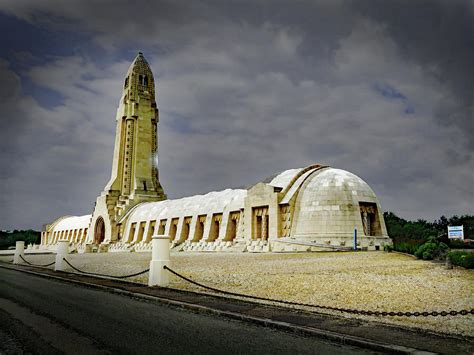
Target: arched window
(126, 82)
(143, 80)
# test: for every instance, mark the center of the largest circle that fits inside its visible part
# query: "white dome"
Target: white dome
(283, 179)
(328, 205)
(73, 222)
(212, 202)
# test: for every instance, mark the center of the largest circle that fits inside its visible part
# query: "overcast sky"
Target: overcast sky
(246, 89)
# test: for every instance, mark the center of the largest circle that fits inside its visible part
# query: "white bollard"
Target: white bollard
(160, 256)
(61, 253)
(19, 251)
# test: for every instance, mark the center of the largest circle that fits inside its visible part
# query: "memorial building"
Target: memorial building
(306, 209)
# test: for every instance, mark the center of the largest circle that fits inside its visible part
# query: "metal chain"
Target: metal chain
(343, 310)
(96, 274)
(26, 261)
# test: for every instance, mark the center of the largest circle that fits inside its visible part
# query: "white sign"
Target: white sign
(456, 232)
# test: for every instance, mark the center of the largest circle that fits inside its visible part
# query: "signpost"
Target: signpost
(456, 232)
(355, 239)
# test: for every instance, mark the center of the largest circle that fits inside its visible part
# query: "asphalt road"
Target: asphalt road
(39, 315)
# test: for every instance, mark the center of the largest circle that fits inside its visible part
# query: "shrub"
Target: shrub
(432, 250)
(462, 258)
(459, 244)
(408, 247)
(425, 250)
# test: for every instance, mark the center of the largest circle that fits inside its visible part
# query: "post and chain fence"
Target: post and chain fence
(112, 276)
(44, 265)
(291, 303)
(343, 310)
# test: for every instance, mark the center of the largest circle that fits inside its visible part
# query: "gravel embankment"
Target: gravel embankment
(364, 280)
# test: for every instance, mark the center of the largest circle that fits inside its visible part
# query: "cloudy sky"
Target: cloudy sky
(384, 89)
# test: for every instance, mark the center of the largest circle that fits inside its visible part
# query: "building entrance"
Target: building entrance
(99, 231)
(260, 222)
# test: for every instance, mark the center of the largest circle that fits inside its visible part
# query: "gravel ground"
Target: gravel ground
(364, 280)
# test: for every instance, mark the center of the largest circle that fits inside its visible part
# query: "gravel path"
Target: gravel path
(364, 280)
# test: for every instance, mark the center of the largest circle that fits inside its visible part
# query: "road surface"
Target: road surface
(39, 315)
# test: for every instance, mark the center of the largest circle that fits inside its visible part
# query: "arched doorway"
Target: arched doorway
(99, 231)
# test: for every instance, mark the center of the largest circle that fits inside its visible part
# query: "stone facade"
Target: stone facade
(307, 209)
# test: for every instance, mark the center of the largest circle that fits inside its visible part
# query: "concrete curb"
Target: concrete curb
(284, 326)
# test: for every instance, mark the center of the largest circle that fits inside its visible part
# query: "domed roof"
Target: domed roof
(212, 202)
(284, 178)
(73, 222)
(339, 185)
(291, 178)
(328, 203)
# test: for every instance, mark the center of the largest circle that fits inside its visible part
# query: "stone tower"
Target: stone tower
(134, 177)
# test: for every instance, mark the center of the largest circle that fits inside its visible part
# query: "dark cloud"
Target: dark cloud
(245, 89)
(437, 34)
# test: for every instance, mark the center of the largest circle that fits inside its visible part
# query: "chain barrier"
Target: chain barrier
(26, 261)
(343, 310)
(96, 274)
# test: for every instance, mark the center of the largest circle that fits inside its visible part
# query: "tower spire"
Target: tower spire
(139, 79)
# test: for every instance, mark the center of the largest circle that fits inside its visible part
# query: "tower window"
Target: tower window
(143, 80)
(126, 82)
(144, 185)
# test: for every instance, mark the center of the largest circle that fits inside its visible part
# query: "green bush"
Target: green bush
(425, 251)
(462, 258)
(408, 247)
(432, 250)
(459, 244)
